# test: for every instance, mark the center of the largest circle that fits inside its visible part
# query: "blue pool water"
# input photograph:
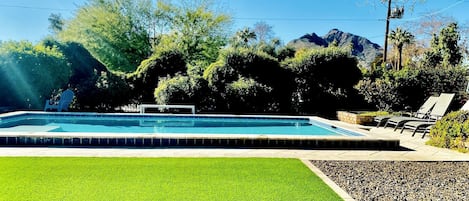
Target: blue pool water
(170, 124)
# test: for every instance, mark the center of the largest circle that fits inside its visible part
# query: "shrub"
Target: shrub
(29, 74)
(184, 90)
(247, 95)
(380, 93)
(82, 63)
(451, 131)
(243, 70)
(374, 113)
(324, 80)
(244, 62)
(410, 87)
(96, 88)
(165, 63)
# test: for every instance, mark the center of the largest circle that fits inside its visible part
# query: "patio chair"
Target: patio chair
(425, 126)
(62, 104)
(420, 113)
(436, 113)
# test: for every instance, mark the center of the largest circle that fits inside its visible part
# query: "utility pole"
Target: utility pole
(388, 16)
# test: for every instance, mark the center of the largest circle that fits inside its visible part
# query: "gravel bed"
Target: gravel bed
(399, 180)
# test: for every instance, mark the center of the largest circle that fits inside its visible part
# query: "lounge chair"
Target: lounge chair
(420, 113)
(436, 113)
(425, 126)
(62, 104)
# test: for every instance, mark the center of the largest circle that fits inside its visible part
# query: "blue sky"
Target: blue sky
(27, 19)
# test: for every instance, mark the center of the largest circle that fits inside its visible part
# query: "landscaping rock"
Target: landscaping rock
(399, 180)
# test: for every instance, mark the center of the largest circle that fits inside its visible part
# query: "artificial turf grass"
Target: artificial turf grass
(24, 178)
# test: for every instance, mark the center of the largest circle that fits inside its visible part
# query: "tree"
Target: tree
(391, 14)
(263, 31)
(122, 33)
(426, 28)
(444, 48)
(451, 51)
(244, 36)
(56, 23)
(399, 38)
(114, 31)
(196, 28)
(429, 25)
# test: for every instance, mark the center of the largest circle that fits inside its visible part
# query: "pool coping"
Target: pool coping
(197, 140)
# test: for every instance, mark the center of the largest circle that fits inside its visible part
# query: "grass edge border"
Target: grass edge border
(336, 188)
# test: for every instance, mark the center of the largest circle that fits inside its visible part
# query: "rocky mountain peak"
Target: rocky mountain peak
(365, 50)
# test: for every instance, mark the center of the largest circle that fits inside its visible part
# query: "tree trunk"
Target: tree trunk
(399, 61)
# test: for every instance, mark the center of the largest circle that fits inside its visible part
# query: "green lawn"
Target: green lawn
(24, 178)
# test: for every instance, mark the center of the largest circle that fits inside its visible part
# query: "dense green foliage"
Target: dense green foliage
(196, 29)
(29, 74)
(185, 90)
(452, 131)
(396, 90)
(248, 95)
(115, 32)
(324, 79)
(166, 63)
(240, 71)
(95, 87)
(445, 51)
(106, 92)
(122, 33)
(159, 179)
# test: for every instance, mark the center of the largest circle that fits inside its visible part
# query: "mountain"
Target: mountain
(365, 50)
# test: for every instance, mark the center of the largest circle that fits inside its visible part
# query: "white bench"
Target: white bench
(145, 106)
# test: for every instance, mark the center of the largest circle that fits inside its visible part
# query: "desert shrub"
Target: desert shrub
(451, 131)
(380, 93)
(29, 74)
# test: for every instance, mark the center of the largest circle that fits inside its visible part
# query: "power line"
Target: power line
(437, 12)
(312, 19)
(351, 19)
(36, 8)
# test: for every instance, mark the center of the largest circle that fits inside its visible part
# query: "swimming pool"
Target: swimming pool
(168, 124)
(46, 128)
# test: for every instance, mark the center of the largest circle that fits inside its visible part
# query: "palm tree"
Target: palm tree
(245, 35)
(399, 38)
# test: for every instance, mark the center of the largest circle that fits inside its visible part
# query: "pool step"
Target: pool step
(30, 128)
